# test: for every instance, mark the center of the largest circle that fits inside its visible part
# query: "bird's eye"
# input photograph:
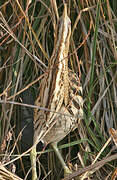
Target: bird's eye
(69, 22)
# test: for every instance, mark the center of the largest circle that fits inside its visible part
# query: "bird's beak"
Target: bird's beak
(65, 11)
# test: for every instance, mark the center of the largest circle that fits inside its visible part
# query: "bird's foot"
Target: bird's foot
(67, 171)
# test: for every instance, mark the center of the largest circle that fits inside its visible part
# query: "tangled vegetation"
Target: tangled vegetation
(27, 38)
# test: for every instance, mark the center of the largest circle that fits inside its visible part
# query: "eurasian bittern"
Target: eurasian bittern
(60, 91)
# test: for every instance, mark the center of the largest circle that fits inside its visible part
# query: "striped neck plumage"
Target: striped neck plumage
(60, 60)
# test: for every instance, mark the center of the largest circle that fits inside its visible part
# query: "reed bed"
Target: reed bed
(27, 38)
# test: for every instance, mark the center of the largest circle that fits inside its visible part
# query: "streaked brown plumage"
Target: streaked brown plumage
(60, 91)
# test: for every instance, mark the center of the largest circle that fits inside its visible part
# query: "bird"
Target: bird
(60, 92)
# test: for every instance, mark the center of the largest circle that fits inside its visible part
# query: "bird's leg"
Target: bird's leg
(57, 152)
(33, 155)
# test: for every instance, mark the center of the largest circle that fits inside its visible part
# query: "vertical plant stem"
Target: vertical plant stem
(93, 59)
